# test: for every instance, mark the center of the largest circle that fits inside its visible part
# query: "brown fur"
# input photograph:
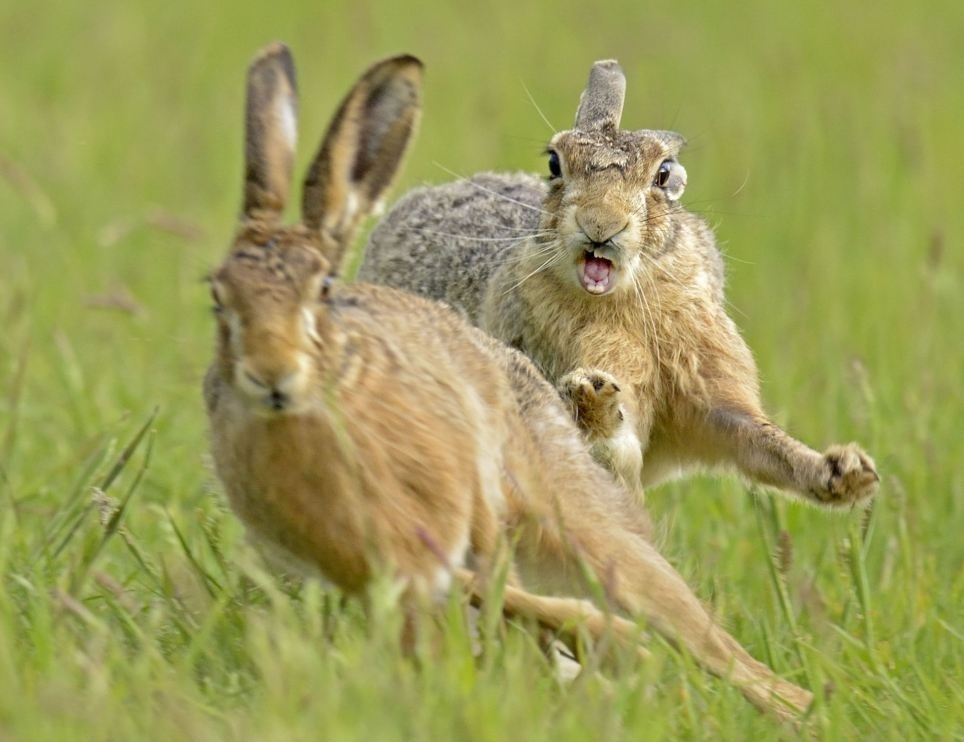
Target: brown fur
(361, 429)
(689, 383)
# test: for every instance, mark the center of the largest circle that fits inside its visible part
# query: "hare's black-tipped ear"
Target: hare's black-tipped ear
(601, 103)
(270, 133)
(362, 150)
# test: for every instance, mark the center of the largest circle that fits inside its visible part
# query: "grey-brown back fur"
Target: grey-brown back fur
(436, 241)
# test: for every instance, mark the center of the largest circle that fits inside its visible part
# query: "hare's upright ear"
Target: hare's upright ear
(270, 133)
(362, 150)
(601, 103)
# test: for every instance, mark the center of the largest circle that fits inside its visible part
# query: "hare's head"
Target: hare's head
(612, 193)
(270, 294)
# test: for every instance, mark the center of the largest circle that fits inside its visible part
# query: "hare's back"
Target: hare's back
(444, 242)
(424, 352)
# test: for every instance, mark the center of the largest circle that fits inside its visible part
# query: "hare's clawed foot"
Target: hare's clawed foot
(594, 397)
(849, 477)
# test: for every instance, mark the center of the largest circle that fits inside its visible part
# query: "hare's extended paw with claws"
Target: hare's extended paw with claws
(849, 476)
(594, 397)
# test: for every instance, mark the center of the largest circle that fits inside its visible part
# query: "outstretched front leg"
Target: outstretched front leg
(597, 404)
(842, 476)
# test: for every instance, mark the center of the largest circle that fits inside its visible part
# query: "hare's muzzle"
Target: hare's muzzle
(273, 387)
(599, 231)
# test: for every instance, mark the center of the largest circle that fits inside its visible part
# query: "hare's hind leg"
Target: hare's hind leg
(563, 616)
(643, 583)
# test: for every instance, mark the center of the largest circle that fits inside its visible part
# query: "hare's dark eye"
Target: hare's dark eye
(662, 175)
(325, 288)
(555, 169)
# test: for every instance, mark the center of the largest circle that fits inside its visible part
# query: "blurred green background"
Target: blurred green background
(825, 147)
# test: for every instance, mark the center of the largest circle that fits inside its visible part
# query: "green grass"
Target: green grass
(825, 146)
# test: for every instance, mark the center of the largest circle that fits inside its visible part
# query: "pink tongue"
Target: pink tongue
(597, 268)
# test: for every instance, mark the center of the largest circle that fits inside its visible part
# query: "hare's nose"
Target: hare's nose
(278, 400)
(600, 229)
(275, 389)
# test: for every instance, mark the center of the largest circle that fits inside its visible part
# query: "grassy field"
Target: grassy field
(825, 145)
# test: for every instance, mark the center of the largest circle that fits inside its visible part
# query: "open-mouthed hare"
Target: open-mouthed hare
(360, 429)
(600, 276)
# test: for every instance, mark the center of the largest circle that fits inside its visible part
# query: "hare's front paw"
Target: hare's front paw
(849, 476)
(594, 397)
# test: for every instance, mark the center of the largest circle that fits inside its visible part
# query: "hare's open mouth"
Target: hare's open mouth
(597, 274)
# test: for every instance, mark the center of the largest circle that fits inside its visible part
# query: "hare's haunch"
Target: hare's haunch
(602, 271)
(360, 429)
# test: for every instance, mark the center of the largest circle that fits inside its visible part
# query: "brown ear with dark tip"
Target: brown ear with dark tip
(270, 133)
(362, 150)
(601, 103)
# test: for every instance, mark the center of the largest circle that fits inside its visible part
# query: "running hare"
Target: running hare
(602, 270)
(360, 428)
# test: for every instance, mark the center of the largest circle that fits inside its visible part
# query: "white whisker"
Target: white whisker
(665, 272)
(648, 318)
(482, 188)
(548, 263)
(515, 238)
(529, 254)
(536, 106)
